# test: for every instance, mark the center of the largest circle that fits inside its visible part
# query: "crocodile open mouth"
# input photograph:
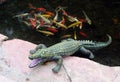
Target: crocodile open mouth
(35, 62)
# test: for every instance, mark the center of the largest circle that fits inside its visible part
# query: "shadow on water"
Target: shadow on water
(102, 14)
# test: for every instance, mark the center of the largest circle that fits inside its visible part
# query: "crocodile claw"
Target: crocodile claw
(91, 56)
(56, 70)
(35, 62)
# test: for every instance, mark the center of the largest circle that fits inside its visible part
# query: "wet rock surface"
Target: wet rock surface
(14, 66)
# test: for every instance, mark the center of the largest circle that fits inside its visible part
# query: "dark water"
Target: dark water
(103, 14)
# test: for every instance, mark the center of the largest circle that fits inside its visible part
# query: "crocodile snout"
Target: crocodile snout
(30, 57)
(34, 56)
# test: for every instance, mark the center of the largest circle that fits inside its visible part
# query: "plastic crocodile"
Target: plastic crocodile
(65, 48)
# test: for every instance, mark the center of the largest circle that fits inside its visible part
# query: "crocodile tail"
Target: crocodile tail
(109, 40)
(98, 45)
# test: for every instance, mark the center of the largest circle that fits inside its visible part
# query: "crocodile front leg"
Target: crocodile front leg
(40, 46)
(59, 64)
(86, 51)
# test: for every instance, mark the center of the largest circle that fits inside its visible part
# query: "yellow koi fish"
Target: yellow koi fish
(26, 23)
(75, 35)
(46, 15)
(80, 26)
(74, 24)
(72, 19)
(56, 16)
(87, 18)
(56, 11)
(46, 32)
(44, 18)
(66, 36)
(25, 14)
(60, 24)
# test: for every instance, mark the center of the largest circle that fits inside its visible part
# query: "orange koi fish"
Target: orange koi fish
(42, 22)
(33, 22)
(38, 9)
(62, 21)
(83, 34)
(50, 13)
(32, 12)
(31, 6)
(52, 29)
(83, 20)
(41, 9)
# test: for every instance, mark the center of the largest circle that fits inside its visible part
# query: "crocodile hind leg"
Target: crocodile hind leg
(40, 46)
(59, 64)
(86, 51)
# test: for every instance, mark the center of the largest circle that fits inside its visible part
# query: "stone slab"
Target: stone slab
(14, 64)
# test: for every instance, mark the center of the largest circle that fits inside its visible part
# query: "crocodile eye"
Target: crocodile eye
(42, 53)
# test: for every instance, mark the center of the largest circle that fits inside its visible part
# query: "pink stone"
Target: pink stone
(5, 79)
(3, 37)
(14, 64)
